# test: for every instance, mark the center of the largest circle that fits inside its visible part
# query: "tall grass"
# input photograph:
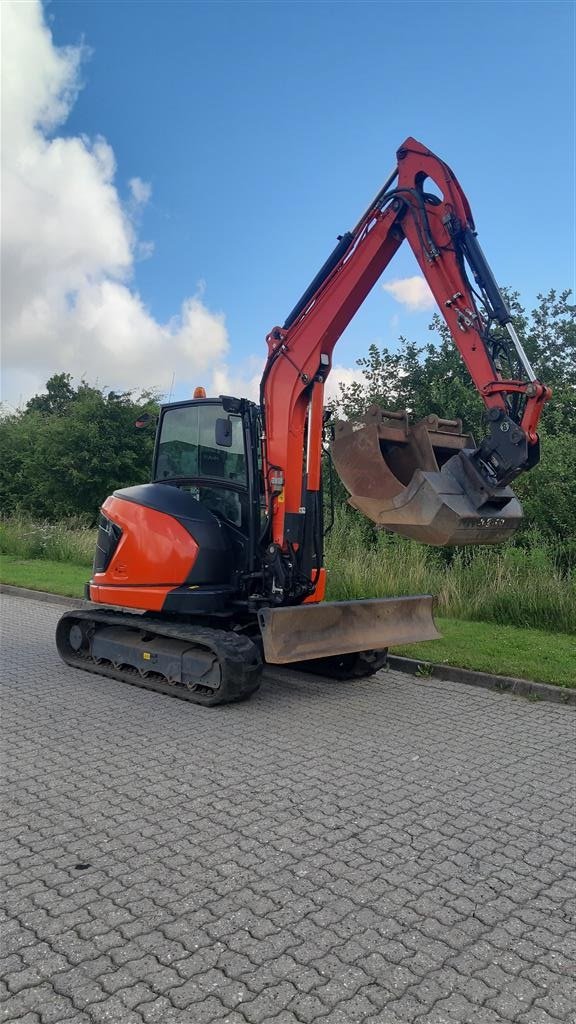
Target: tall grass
(519, 586)
(69, 540)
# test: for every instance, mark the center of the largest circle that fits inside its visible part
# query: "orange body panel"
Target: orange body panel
(154, 555)
(149, 599)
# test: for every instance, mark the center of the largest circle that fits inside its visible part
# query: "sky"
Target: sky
(175, 173)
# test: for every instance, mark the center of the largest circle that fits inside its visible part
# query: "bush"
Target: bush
(68, 449)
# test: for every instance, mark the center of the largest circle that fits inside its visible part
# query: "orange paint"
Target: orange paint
(155, 553)
(150, 599)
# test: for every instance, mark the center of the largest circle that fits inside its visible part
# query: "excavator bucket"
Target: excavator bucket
(418, 480)
(310, 631)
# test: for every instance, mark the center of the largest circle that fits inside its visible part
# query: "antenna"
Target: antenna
(171, 386)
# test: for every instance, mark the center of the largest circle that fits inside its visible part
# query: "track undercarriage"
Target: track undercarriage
(195, 663)
(190, 662)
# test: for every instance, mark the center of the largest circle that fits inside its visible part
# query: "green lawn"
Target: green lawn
(504, 650)
(35, 573)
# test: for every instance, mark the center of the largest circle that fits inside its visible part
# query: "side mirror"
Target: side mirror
(145, 420)
(230, 404)
(224, 432)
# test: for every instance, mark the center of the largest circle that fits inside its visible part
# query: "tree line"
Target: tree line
(72, 445)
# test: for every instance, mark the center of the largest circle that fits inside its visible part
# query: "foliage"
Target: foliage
(70, 447)
(548, 492)
(68, 540)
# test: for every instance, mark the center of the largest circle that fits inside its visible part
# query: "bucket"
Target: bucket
(419, 479)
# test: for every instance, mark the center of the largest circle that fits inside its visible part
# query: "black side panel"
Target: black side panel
(210, 601)
(164, 498)
(109, 534)
(214, 562)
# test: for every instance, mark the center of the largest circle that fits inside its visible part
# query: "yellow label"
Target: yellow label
(281, 498)
(146, 656)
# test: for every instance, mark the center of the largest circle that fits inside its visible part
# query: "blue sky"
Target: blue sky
(264, 129)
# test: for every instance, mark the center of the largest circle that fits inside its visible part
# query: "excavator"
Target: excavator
(216, 568)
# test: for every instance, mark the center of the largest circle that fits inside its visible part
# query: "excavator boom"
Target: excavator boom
(428, 482)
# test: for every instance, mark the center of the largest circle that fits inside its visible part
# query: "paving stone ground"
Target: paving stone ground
(386, 851)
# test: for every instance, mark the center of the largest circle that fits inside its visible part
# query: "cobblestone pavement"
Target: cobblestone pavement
(386, 851)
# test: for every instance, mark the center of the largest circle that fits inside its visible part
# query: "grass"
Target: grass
(502, 650)
(527, 586)
(65, 541)
(39, 574)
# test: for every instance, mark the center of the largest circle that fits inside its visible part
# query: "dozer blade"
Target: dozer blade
(418, 480)
(343, 627)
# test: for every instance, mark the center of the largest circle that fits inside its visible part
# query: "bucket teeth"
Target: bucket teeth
(419, 480)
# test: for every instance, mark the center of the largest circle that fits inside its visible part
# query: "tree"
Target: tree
(59, 396)
(70, 447)
(547, 491)
(551, 340)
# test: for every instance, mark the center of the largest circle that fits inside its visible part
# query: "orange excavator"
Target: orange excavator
(216, 566)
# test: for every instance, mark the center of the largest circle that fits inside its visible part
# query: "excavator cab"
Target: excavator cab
(201, 448)
(419, 479)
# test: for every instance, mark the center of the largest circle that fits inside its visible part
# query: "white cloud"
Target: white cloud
(69, 244)
(245, 380)
(141, 190)
(144, 250)
(412, 292)
(242, 381)
(342, 375)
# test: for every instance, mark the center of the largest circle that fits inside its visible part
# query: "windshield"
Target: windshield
(187, 445)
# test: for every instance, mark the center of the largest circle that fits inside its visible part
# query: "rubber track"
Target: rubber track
(239, 658)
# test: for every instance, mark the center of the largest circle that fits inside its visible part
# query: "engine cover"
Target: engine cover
(154, 538)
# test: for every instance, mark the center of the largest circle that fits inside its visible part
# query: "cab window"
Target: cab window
(187, 445)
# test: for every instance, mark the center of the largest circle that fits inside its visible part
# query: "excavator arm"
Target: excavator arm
(458, 492)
